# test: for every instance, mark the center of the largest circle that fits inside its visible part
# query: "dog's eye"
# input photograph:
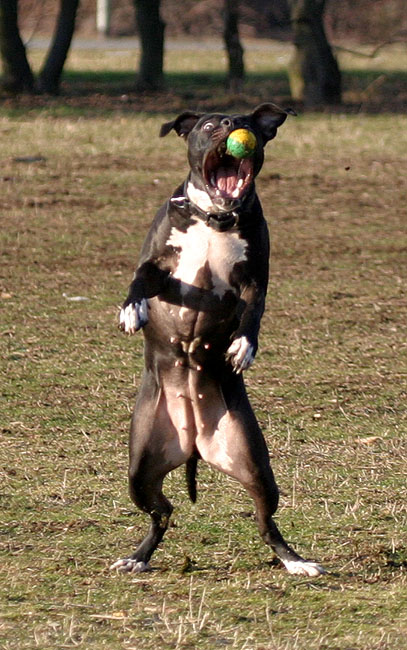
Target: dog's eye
(208, 126)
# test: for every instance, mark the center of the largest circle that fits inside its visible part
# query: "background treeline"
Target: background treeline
(360, 20)
(311, 25)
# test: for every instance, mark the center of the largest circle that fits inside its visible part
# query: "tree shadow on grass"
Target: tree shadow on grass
(100, 92)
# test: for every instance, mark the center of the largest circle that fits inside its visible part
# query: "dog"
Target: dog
(199, 294)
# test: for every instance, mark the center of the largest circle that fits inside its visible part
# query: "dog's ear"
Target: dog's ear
(268, 117)
(183, 124)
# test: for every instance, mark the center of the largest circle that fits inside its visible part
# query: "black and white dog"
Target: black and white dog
(199, 294)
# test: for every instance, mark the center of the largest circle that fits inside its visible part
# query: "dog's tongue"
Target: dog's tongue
(226, 179)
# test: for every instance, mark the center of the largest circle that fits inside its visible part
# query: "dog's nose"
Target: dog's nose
(226, 122)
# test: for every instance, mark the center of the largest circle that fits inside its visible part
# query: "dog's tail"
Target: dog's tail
(191, 466)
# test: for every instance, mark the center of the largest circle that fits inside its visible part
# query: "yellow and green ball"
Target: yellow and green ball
(241, 143)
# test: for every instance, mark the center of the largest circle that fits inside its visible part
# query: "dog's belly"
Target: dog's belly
(192, 410)
(203, 295)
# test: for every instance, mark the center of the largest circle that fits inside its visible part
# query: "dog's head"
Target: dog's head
(224, 178)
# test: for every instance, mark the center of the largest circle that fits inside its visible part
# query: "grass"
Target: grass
(328, 386)
(97, 81)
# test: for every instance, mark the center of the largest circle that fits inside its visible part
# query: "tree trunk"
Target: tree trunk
(233, 46)
(151, 30)
(51, 72)
(314, 75)
(17, 75)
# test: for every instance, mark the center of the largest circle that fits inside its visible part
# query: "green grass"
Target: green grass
(96, 82)
(328, 386)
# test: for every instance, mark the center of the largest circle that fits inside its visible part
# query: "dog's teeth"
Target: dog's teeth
(240, 183)
(217, 193)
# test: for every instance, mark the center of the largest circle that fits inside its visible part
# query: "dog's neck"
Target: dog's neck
(199, 198)
(196, 202)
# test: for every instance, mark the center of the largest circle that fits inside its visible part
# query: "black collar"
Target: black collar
(221, 222)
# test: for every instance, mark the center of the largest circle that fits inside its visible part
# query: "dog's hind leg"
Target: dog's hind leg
(236, 447)
(160, 441)
(159, 509)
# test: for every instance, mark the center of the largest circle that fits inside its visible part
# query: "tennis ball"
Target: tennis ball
(241, 143)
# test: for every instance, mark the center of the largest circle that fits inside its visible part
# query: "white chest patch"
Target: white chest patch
(201, 245)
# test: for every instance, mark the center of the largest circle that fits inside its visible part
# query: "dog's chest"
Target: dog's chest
(206, 258)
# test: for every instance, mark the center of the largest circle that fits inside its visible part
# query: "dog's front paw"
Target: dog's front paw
(133, 316)
(240, 354)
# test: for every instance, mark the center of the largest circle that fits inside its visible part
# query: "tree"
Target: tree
(233, 46)
(50, 75)
(151, 30)
(313, 73)
(18, 76)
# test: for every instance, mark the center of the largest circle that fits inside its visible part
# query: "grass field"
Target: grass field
(81, 177)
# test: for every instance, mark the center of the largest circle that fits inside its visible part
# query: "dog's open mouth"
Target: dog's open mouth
(225, 176)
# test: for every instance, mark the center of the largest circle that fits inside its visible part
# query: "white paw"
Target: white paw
(303, 568)
(133, 317)
(240, 354)
(128, 565)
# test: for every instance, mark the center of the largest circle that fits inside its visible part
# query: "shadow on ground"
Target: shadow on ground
(91, 92)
